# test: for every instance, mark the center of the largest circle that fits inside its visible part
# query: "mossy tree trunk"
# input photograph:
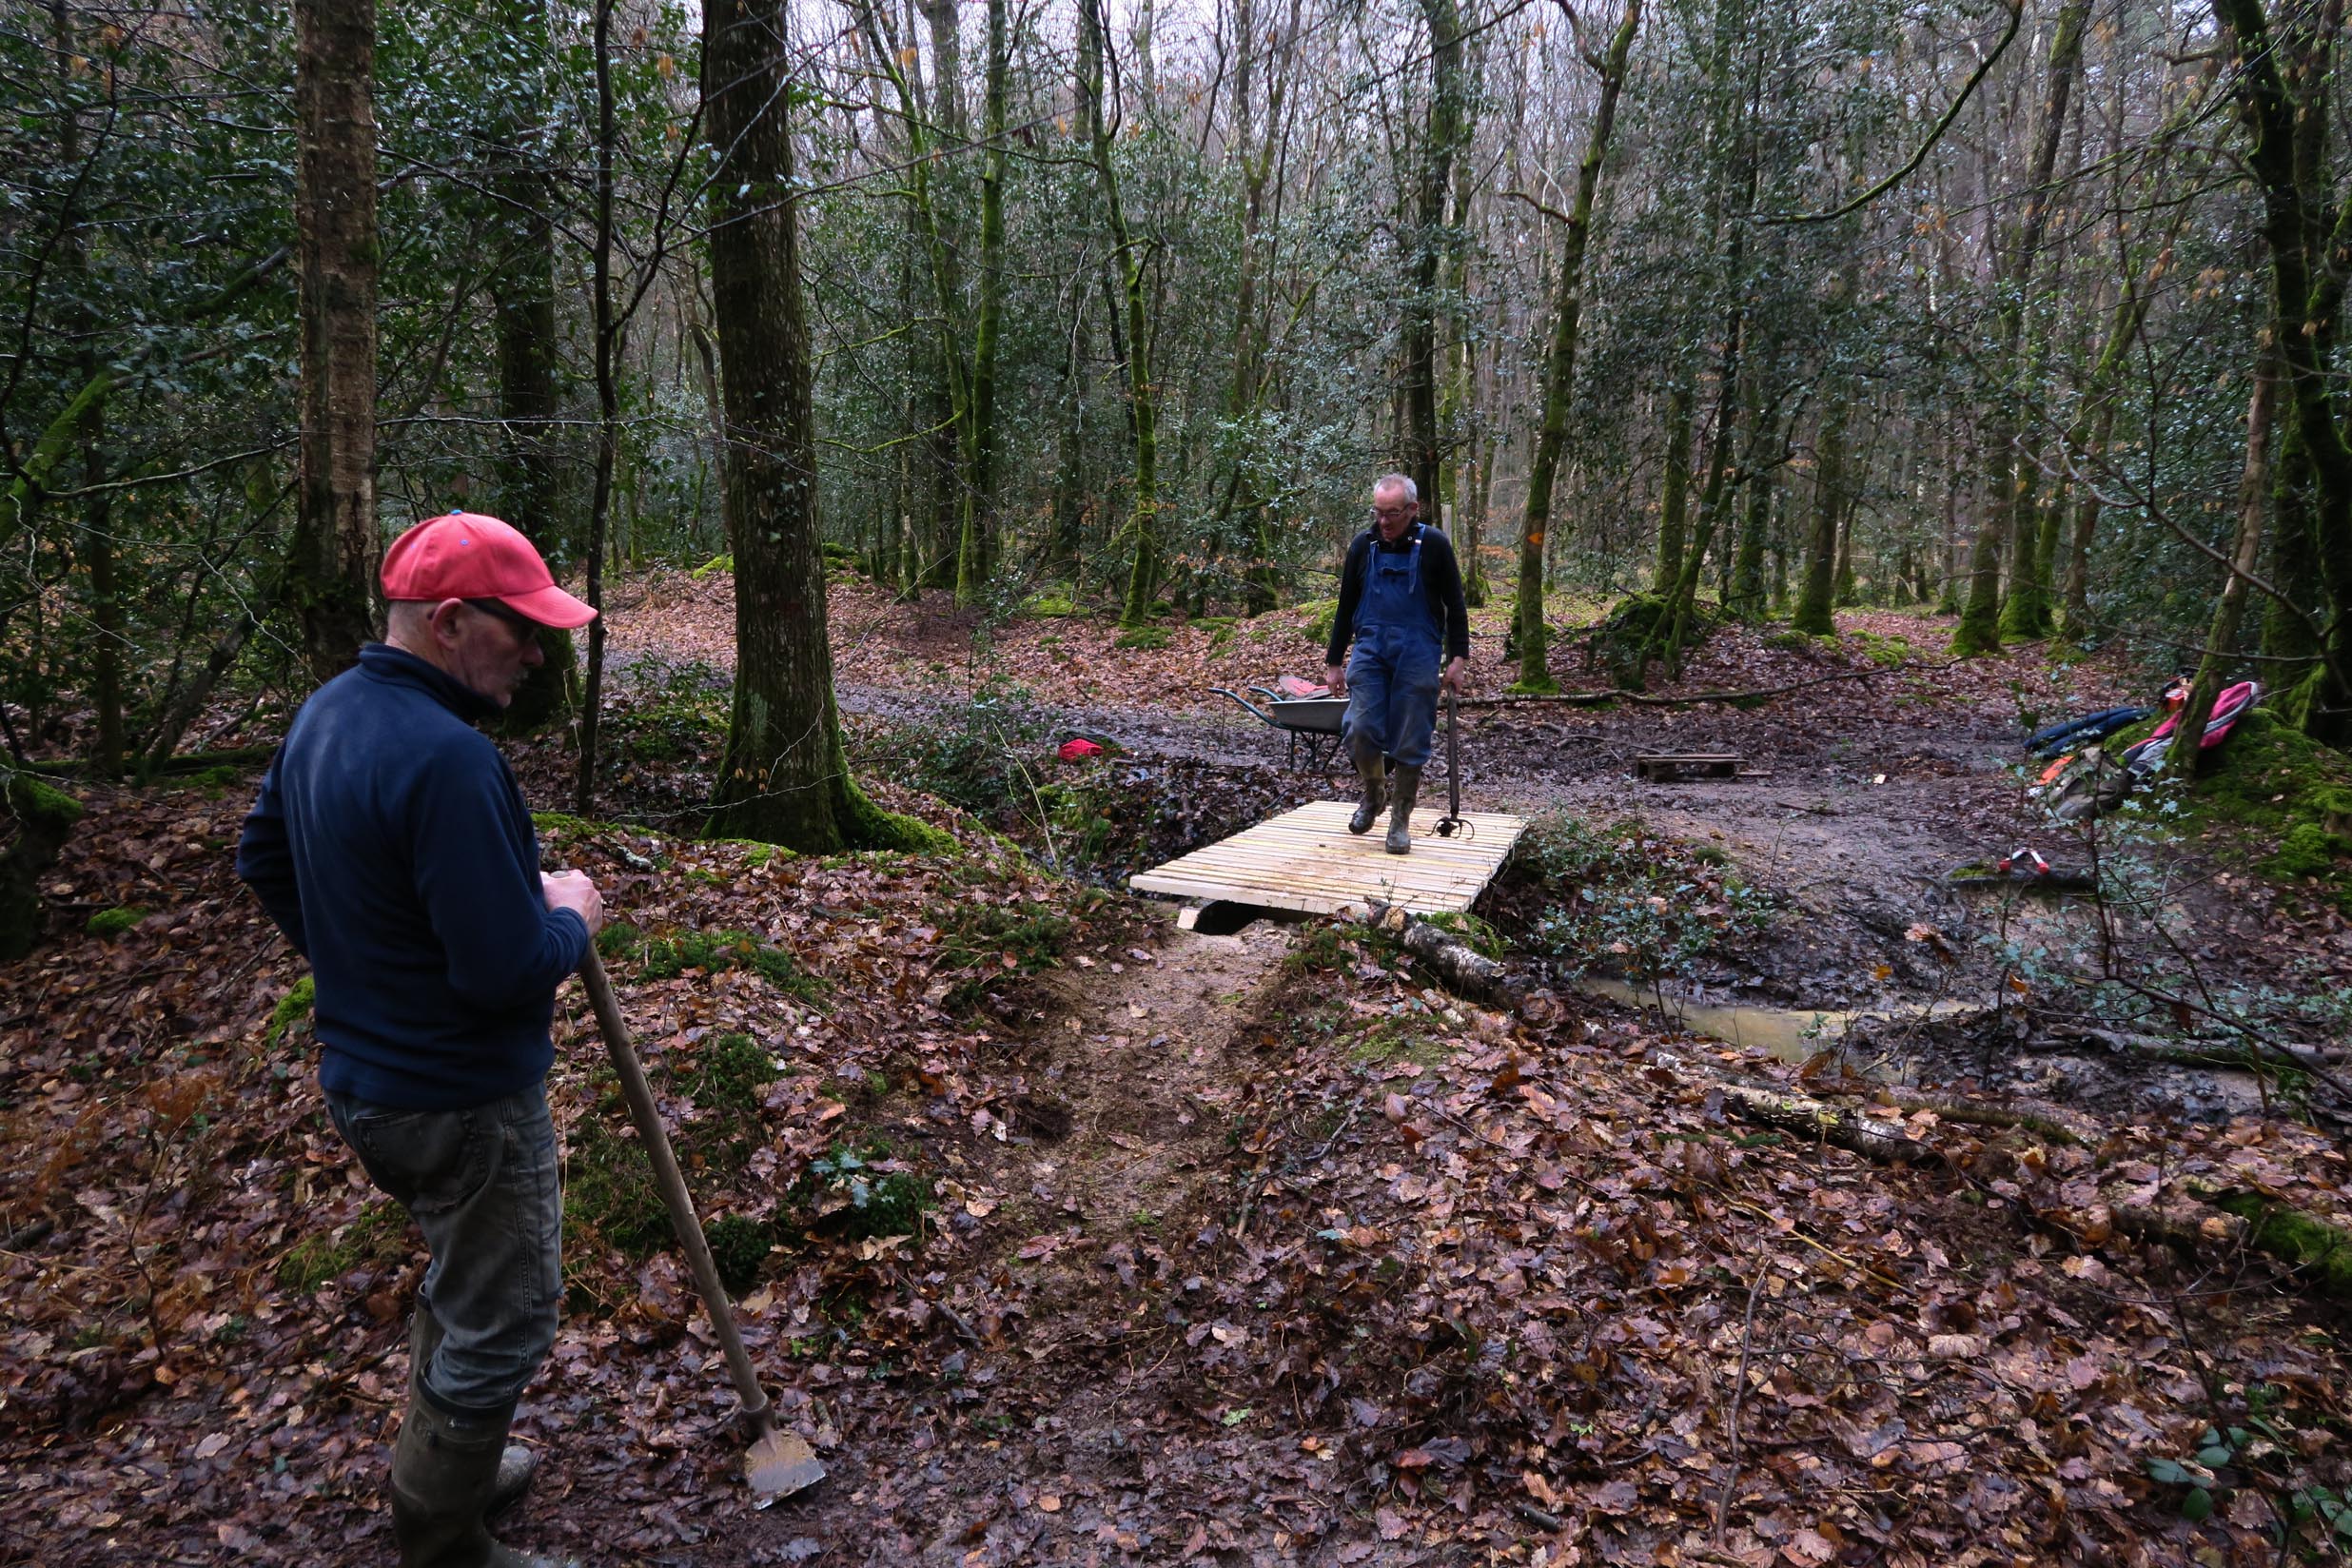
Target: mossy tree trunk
(2286, 155)
(607, 347)
(976, 562)
(2006, 515)
(2220, 647)
(1816, 599)
(1442, 138)
(1674, 499)
(783, 776)
(1560, 366)
(45, 816)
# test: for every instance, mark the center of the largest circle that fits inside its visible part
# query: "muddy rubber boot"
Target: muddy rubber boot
(1407, 785)
(1371, 767)
(443, 1468)
(517, 1463)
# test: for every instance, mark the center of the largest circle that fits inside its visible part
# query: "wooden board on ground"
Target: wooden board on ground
(1307, 860)
(1665, 767)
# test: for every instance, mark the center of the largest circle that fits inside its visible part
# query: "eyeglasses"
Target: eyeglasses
(521, 625)
(1393, 512)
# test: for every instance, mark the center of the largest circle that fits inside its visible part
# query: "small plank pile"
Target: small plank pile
(1669, 766)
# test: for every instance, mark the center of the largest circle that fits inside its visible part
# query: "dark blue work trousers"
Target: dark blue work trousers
(1392, 676)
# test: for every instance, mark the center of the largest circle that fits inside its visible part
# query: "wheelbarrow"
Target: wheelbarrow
(1309, 724)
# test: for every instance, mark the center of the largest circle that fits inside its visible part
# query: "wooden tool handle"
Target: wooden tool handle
(673, 1184)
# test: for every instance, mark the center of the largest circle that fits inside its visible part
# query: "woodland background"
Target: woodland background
(1952, 306)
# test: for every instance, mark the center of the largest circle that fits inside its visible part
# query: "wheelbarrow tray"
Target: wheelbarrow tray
(1313, 714)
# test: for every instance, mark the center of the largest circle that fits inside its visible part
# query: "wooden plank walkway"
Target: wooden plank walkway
(1307, 860)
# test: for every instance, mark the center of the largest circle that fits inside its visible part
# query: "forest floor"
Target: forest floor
(1067, 1237)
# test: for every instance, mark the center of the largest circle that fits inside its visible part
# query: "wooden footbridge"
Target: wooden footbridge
(1307, 860)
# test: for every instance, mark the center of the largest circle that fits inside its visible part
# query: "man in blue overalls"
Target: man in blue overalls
(1400, 600)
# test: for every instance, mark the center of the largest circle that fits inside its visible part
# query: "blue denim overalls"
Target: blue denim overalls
(1392, 676)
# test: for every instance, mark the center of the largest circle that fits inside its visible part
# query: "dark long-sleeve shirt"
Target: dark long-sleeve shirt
(391, 845)
(1441, 580)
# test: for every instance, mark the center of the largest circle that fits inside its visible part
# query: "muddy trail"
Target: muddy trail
(1857, 833)
(1085, 1444)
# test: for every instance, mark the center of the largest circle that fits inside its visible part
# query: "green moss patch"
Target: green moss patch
(2293, 791)
(293, 1010)
(1143, 637)
(669, 956)
(2321, 1253)
(114, 922)
(379, 1235)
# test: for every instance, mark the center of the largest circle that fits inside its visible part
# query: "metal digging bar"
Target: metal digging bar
(778, 1464)
(1451, 823)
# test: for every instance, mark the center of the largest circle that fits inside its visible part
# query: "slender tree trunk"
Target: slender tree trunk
(1559, 367)
(1441, 134)
(2221, 647)
(976, 558)
(1673, 502)
(2007, 511)
(332, 569)
(1069, 467)
(608, 408)
(783, 776)
(1143, 519)
(1744, 592)
(1817, 600)
(95, 538)
(522, 290)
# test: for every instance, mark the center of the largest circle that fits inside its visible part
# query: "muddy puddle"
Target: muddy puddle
(1926, 1055)
(1787, 1033)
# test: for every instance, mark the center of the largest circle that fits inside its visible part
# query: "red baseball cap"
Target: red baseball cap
(464, 555)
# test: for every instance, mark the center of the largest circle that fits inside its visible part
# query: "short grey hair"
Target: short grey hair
(1397, 481)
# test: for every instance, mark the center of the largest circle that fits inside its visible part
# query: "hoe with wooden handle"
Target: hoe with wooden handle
(778, 1462)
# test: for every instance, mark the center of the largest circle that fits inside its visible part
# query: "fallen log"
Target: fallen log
(1457, 966)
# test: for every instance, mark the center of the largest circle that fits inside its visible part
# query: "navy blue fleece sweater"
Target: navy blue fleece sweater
(391, 845)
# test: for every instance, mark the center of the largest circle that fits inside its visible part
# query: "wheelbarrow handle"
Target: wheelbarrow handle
(1256, 713)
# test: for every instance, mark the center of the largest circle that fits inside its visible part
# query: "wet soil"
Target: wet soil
(1855, 829)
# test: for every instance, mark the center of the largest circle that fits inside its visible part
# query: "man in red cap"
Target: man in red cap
(392, 847)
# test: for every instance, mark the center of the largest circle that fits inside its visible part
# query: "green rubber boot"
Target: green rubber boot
(443, 1470)
(1371, 769)
(1406, 785)
(517, 1463)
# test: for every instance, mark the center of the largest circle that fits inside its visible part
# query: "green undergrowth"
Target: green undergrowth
(1314, 619)
(989, 943)
(666, 957)
(1142, 639)
(610, 1196)
(379, 1235)
(2320, 1251)
(1621, 899)
(2293, 792)
(1638, 626)
(859, 1190)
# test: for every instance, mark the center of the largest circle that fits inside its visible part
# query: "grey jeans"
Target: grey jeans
(481, 1184)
